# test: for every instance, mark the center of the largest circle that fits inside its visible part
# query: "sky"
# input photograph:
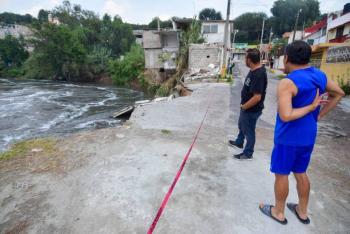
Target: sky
(142, 11)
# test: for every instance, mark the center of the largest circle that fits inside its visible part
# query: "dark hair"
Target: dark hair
(298, 52)
(253, 55)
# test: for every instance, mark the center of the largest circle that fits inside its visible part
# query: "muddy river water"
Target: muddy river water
(42, 108)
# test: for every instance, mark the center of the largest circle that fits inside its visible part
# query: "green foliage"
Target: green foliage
(43, 16)
(79, 48)
(278, 46)
(165, 131)
(12, 18)
(12, 56)
(21, 149)
(129, 67)
(191, 36)
(12, 51)
(163, 24)
(249, 26)
(345, 86)
(285, 11)
(210, 14)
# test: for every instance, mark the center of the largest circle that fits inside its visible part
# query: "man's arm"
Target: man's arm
(257, 88)
(335, 94)
(285, 92)
(251, 102)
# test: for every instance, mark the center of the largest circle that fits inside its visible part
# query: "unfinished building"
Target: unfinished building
(161, 50)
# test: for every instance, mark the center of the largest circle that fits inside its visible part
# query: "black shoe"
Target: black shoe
(234, 144)
(242, 156)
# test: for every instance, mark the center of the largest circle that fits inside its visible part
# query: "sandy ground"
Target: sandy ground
(113, 180)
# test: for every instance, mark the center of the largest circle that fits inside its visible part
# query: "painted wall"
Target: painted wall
(216, 37)
(335, 71)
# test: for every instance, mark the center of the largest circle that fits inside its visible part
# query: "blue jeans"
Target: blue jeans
(246, 125)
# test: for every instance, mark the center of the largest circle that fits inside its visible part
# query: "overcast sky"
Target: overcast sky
(142, 11)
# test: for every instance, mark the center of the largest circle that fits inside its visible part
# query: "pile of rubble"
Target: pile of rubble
(212, 72)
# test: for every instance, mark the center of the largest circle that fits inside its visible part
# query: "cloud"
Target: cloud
(113, 8)
(165, 17)
(34, 10)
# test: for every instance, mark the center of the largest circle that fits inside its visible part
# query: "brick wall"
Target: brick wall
(200, 56)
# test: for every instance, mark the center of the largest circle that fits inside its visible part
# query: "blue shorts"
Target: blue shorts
(286, 159)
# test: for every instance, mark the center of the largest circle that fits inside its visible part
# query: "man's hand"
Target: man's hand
(318, 101)
(251, 102)
(335, 94)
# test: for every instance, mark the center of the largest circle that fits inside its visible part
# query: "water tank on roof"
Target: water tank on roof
(346, 8)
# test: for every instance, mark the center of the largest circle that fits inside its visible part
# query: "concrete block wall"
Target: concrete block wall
(151, 40)
(200, 56)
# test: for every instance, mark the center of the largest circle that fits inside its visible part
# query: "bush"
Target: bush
(15, 72)
(345, 86)
(129, 67)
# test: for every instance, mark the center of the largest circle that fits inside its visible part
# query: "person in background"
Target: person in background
(252, 103)
(299, 110)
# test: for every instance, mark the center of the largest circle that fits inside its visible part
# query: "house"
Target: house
(289, 36)
(333, 59)
(316, 33)
(161, 49)
(213, 31)
(53, 19)
(339, 25)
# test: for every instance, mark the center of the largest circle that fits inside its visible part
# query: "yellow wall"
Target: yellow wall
(335, 71)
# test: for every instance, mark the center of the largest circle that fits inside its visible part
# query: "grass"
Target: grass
(280, 77)
(165, 131)
(23, 148)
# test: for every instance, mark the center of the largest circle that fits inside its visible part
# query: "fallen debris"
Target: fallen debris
(205, 75)
(125, 112)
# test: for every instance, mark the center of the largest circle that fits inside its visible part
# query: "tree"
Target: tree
(11, 18)
(250, 26)
(79, 48)
(284, 14)
(12, 51)
(163, 24)
(210, 14)
(43, 16)
(130, 67)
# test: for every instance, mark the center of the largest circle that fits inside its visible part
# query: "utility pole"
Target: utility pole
(270, 37)
(296, 24)
(226, 34)
(262, 34)
(303, 35)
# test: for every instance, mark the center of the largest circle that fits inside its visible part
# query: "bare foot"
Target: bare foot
(280, 216)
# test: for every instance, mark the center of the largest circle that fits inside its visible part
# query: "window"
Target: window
(324, 31)
(310, 41)
(213, 28)
(206, 28)
(340, 32)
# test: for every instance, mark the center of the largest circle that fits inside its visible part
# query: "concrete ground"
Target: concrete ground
(113, 180)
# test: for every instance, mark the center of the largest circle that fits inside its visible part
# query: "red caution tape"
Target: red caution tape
(178, 174)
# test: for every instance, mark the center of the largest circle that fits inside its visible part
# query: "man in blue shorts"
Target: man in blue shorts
(299, 98)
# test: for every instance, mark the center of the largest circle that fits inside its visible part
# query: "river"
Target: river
(44, 108)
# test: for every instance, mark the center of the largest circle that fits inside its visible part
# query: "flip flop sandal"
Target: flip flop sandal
(266, 210)
(293, 208)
